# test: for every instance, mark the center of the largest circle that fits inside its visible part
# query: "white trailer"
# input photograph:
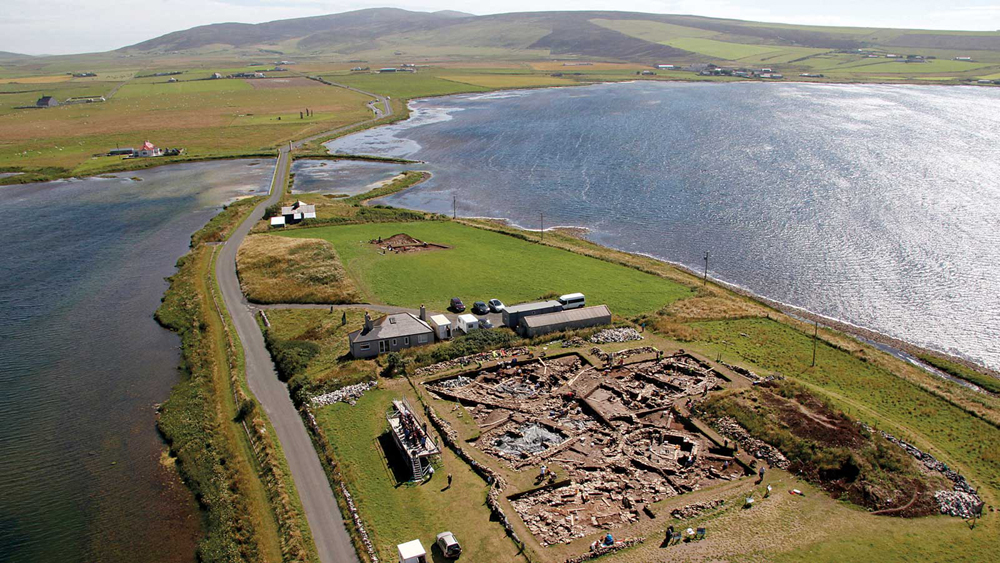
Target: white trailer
(467, 323)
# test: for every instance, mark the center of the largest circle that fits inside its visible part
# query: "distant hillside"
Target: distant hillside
(628, 36)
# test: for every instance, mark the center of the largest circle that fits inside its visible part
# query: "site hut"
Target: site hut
(467, 323)
(441, 326)
(412, 552)
(573, 319)
(47, 102)
(414, 444)
(391, 333)
(387, 69)
(297, 211)
(512, 314)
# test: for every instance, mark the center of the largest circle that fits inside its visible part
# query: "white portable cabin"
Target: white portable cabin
(278, 221)
(467, 323)
(441, 326)
(412, 552)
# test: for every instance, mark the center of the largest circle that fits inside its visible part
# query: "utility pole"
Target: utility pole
(454, 207)
(705, 279)
(542, 229)
(815, 336)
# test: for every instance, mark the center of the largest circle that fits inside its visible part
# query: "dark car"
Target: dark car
(485, 323)
(457, 305)
(496, 306)
(480, 308)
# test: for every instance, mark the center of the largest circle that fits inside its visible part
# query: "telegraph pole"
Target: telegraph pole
(815, 336)
(542, 221)
(454, 207)
(705, 279)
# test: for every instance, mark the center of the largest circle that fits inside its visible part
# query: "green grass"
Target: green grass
(720, 49)
(396, 513)
(955, 369)
(481, 265)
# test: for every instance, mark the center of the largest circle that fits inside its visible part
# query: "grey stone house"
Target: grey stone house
(391, 333)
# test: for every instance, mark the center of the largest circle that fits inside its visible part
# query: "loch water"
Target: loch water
(83, 362)
(876, 205)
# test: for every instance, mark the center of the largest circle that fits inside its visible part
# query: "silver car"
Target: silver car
(449, 545)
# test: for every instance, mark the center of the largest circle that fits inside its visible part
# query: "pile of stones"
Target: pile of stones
(623, 354)
(621, 334)
(460, 381)
(693, 510)
(728, 427)
(349, 394)
(959, 504)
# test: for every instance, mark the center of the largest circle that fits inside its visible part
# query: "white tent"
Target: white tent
(412, 552)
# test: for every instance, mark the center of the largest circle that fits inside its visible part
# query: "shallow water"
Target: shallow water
(348, 177)
(875, 205)
(82, 362)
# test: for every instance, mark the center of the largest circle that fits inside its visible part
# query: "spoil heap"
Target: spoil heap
(621, 334)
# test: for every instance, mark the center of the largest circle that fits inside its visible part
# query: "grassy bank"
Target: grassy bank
(479, 265)
(960, 371)
(217, 432)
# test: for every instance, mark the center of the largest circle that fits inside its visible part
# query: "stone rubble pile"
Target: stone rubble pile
(621, 334)
(604, 550)
(962, 501)
(455, 382)
(743, 371)
(574, 342)
(728, 427)
(958, 503)
(692, 510)
(349, 394)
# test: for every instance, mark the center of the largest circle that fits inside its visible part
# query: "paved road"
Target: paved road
(321, 510)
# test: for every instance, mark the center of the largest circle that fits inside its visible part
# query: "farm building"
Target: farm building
(297, 212)
(148, 150)
(47, 102)
(441, 326)
(388, 69)
(128, 151)
(564, 320)
(512, 315)
(414, 443)
(391, 333)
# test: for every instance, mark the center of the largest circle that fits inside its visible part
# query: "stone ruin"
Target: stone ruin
(613, 431)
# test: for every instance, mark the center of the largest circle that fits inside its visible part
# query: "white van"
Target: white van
(572, 301)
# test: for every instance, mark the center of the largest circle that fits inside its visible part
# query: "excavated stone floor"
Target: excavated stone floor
(614, 430)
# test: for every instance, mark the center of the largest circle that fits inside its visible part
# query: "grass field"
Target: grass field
(482, 265)
(398, 512)
(404, 85)
(207, 118)
(281, 270)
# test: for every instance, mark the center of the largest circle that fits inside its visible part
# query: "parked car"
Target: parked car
(480, 308)
(457, 305)
(485, 323)
(496, 306)
(449, 545)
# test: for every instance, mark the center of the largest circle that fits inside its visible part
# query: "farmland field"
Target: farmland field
(205, 117)
(481, 265)
(404, 85)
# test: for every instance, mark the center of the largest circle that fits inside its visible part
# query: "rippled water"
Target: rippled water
(348, 177)
(876, 205)
(82, 362)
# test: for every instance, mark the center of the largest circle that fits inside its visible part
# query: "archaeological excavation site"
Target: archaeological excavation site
(603, 440)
